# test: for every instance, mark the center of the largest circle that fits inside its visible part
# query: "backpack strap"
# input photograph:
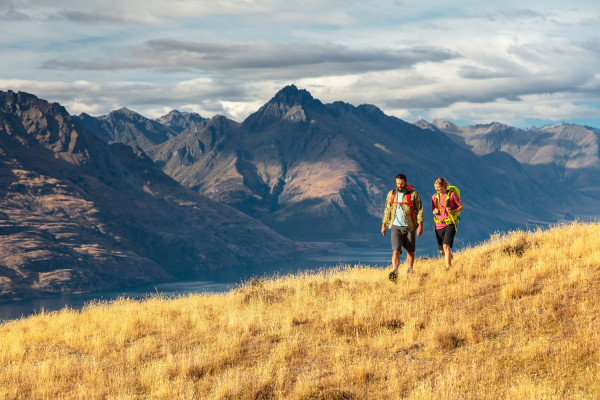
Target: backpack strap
(407, 202)
(450, 218)
(412, 210)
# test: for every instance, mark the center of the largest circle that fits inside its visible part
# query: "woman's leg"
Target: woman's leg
(447, 252)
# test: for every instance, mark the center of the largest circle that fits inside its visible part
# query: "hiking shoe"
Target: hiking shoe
(393, 276)
(409, 271)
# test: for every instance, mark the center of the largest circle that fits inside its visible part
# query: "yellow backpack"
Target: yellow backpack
(453, 217)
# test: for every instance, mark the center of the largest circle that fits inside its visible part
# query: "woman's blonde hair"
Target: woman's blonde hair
(441, 181)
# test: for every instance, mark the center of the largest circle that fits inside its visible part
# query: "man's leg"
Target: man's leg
(410, 244)
(410, 259)
(396, 247)
(396, 260)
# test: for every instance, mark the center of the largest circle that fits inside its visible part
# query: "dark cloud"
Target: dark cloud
(510, 14)
(593, 21)
(592, 45)
(97, 18)
(511, 89)
(8, 12)
(278, 60)
(469, 72)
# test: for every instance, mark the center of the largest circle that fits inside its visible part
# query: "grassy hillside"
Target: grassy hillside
(516, 318)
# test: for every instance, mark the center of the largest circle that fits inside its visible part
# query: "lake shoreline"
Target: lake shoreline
(208, 281)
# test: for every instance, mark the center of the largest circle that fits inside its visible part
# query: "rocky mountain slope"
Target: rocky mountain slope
(131, 128)
(567, 154)
(128, 127)
(177, 121)
(78, 214)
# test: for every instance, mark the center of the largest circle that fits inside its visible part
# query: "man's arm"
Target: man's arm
(418, 205)
(386, 214)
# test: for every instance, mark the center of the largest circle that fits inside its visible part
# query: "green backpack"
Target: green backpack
(453, 217)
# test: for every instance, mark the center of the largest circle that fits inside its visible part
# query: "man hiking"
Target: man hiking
(404, 216)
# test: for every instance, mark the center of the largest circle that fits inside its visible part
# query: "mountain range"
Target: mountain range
(314, 171)
(568, 153)
(78, 214)
(98, 202)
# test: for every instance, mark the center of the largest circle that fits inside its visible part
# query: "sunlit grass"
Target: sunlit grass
(516, 318)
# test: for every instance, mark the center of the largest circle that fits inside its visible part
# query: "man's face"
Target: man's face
(401, 184)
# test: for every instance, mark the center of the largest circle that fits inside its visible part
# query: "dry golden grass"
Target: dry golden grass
(516, 318)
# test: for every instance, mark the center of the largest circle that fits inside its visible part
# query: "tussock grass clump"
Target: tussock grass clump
(516, 317)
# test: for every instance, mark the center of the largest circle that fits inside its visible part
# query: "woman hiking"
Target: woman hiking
(446, 206)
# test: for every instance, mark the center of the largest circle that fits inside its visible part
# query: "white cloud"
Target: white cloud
(240, 110)
(259, 59)
(75, 108)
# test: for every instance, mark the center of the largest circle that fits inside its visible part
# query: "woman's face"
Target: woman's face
(439, 188)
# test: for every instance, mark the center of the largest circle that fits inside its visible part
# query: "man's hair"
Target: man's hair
(401, 176)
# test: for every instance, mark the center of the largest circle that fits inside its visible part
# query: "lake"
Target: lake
(213, 281)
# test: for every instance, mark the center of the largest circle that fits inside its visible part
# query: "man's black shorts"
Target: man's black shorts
(403, 237)
(445, 236)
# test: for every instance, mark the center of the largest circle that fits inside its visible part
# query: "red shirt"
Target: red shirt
(452, 204)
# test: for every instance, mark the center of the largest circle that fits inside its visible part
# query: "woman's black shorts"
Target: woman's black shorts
(445, 236)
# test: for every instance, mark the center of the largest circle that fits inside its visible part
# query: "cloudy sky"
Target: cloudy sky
(523, 63)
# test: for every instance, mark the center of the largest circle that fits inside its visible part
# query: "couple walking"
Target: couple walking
(407, 224)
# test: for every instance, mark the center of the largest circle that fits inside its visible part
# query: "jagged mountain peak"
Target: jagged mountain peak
(558, 125)
(176, 114)
(41, 123)
(371, 109)
(125, 112)
(494, 126)
(129, 127)
(219, 121)
(424, 124)
(12, 101)
(219, 118)
(291, 96)
(445, 125)
(173, 113)
(178, 121)
(289, 104)
(11, 96)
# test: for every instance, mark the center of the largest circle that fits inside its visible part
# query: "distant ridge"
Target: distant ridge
(566, 152)
(178, 121)
(128, 127)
